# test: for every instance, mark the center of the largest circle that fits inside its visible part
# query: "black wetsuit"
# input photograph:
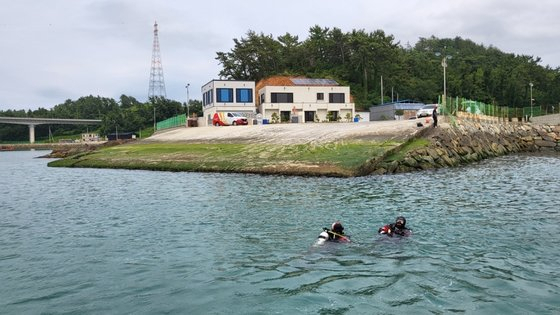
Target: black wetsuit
(394, 230)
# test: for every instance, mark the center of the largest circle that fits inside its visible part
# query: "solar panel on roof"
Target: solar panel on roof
(306, 81)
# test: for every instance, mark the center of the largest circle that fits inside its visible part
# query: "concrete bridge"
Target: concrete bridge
(32, 122)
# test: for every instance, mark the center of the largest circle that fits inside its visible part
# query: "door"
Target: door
(309, 116)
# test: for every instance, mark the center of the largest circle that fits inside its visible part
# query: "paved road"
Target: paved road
(291, 133)
(553, 119)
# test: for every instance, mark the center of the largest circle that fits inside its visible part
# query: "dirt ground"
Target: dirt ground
(308, 133)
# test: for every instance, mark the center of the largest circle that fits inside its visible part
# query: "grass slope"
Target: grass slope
(332, 159)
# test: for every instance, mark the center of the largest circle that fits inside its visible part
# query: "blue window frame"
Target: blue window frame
(224, 95)
(244, 95)
(207, 99)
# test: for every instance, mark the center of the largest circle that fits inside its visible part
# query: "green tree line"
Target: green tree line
(360, 59)
(125, 115)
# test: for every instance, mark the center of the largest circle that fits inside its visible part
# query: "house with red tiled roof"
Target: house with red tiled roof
(300, 99)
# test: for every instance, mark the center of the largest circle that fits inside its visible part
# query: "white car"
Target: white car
(426, 111)
(229, 119)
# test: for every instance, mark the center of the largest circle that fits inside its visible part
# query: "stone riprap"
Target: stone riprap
(466, 141)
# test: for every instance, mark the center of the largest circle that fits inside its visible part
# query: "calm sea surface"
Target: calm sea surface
(92, 241)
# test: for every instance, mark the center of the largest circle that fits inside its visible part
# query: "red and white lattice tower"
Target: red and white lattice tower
(157, 84)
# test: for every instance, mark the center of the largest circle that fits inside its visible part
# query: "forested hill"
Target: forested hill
(359, 59)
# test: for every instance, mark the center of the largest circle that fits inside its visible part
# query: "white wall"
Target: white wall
(305, 99)
(306, 94)
(211, 108)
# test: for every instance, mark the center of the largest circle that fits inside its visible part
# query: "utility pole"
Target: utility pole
(188, 99)
(531, 86)
(381, 90)
(444, 66)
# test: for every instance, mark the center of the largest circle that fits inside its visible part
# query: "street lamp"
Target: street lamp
(188, 113)
(531, 88)
(444, 65)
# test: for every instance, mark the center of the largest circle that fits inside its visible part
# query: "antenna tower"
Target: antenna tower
(157, 85)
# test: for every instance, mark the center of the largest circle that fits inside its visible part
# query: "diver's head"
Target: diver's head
(337, 227)
(400, 222)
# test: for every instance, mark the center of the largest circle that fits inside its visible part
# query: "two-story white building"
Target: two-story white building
(221, 96)
(299, 99)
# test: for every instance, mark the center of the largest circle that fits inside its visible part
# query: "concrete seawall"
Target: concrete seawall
(466, 141)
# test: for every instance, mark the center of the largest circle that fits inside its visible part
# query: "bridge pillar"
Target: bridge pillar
(31, 133)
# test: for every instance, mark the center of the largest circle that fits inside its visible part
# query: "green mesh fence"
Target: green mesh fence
(172, 122)
(454, 105)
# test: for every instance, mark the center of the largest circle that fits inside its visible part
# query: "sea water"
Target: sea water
(95, 241)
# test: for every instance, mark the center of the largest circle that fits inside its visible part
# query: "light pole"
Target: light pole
(154, 117)
(188, 113)
(531, 88)
(444, 65)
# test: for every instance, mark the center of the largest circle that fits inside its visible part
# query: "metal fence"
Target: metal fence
(172, 122)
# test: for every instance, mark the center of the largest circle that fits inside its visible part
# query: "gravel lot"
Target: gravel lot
(291, 133)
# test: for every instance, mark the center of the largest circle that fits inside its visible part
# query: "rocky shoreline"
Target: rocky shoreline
(469, 141)
(456, 141)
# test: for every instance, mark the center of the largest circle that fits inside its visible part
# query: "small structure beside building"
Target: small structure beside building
(221, 96)
(90, 137)
(299, 99)
(121, 136)
(405, 109)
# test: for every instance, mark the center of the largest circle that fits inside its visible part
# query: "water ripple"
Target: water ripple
(111, 241)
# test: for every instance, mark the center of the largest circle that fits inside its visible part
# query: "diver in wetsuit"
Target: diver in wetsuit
(335, 234)
(398, 228)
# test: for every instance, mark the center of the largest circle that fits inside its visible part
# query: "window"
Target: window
(244, 95)
(336, 98)
(281, 97)
(207, 99)
(320, 96)
(224, 95)
(262, 98)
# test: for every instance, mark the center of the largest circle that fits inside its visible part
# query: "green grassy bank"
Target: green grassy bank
(340, 159)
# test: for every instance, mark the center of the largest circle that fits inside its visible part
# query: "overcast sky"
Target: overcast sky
(54, 50)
